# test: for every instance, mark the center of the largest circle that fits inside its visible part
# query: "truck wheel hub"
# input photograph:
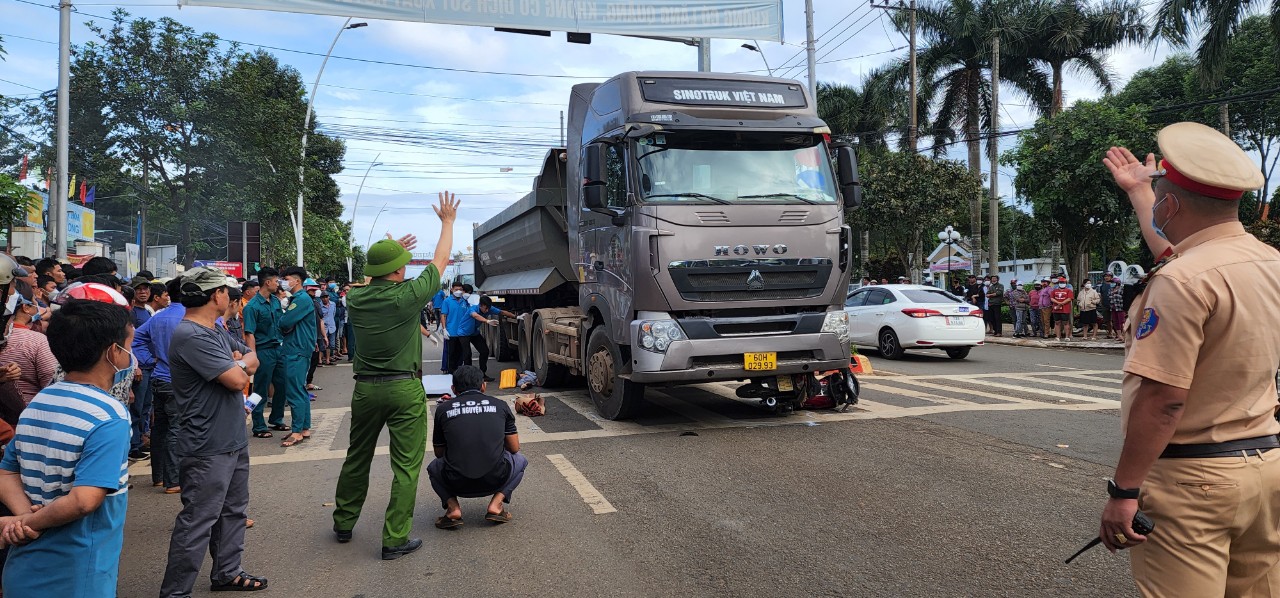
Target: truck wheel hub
(600, 372)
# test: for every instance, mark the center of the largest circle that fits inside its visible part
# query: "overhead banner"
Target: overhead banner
(729, 19)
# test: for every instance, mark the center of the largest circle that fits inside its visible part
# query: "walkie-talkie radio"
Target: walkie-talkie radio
(1142, 525)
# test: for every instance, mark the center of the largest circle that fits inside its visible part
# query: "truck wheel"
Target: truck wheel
(525, 348)
(504, 352)
(615, 397)
(550, 375)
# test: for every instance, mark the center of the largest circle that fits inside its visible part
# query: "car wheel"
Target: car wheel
(889, 346)
(958, 352)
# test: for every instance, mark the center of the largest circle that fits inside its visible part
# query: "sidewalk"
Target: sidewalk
(1074, 343)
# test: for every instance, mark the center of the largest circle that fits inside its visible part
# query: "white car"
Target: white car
(896, 317)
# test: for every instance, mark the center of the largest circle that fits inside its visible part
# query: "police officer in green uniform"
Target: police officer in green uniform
(388, 390)
(262, 333)
(298, 325)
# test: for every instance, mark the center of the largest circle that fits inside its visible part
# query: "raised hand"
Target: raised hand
(1129, 173)
(447, 211)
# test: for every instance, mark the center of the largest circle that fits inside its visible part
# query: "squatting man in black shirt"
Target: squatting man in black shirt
(477, 450)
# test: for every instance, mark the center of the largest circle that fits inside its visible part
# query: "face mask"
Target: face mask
(284, 284)
(457, 294)
(127, 373)
(1062, 285)
(333, 286)
(36, 317)
(316, 293)
(466, 295)
(1159, 229)
(1088, 285)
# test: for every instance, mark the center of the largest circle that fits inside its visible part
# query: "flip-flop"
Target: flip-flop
(290, 442)
(503, 517)
(280, 427)
(446, 523)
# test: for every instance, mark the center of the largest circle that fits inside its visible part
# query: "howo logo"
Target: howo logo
(724, 250)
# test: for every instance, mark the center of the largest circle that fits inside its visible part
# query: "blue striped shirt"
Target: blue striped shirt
(71, 435)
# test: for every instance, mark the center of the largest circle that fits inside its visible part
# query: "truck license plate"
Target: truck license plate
(760, 361)
(784, 384)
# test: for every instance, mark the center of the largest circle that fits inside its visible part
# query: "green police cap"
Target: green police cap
(386, 256)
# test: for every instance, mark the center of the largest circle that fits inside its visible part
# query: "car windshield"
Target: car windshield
(930, 296)
(712, 167)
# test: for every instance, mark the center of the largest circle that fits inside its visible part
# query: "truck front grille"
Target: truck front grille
(751, 281)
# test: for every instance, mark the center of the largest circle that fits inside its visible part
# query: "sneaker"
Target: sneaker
(341, 536)
(488, 378)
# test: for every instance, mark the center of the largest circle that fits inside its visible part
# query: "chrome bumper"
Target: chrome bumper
(708, 360)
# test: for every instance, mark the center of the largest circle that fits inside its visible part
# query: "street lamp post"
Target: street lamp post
(950, 237)
(351, 233)
(306, 125)
(755, 47)
(369, 241)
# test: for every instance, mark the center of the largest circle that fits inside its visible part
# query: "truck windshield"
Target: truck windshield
(714, 167)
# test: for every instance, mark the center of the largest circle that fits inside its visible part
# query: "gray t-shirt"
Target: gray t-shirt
(210, 415)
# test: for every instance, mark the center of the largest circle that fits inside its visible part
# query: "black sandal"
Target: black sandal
(280, 428)
(241, 583)
(263, 434)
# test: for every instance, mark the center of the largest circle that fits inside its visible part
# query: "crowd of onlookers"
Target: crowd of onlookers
(1049, 308)
(98, 372)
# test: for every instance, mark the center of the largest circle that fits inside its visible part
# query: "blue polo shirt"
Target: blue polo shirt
(151, 341)
(458, 320)
(438, 301)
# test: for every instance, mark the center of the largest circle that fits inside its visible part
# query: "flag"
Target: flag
(22, 174)
(71, 189)
(89, 198)
(84, 191)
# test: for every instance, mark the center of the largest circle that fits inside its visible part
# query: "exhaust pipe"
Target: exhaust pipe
(771, 402)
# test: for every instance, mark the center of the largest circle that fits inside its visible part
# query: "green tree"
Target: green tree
(856, 115)
(1078, 35)
(1217, 22)
(1170, 83)
(907, 198)
(954, 65)
(1252, 65)
(14, 199)
(1060, 173)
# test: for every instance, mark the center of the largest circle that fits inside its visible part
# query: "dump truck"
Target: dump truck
(692, 230)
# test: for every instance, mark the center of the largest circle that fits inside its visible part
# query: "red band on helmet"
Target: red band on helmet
(1181, 180)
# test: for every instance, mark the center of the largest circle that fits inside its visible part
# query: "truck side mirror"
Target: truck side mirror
(847, 170)
(594, 157)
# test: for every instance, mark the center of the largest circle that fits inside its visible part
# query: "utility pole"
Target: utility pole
(994, 259)
(562, 128)
(912, 127)
(810, 50)
(704, 54)
(1225, 114)
(56, 223)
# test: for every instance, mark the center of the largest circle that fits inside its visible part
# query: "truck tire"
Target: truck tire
(615, 397)
(550, 375)
(524, 347)
(504, 351)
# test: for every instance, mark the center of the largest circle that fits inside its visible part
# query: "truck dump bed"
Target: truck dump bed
(524, 249)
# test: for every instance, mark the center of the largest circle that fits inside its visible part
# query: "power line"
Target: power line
(820, 36)
(860, 19)
(427, 95)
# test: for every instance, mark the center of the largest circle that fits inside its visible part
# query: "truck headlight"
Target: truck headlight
(657, 335)
(837, 323)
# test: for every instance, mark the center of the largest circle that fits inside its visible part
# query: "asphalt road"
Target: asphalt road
(951, 478)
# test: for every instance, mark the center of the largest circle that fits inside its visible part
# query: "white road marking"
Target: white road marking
(598, 503)
(1050, 365)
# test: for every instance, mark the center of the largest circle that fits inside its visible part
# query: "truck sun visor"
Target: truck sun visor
(711, 92)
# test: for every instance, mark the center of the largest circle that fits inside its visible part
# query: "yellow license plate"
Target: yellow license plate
(760, 361)
(784, 384)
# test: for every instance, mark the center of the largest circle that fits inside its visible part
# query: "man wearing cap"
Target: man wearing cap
(298, 330)
(210, 371)
(388, 390)
(1200, 454)
(1060, 299)
(1033, 303)
(262, 335)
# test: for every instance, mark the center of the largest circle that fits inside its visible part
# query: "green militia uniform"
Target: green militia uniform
(388, 392)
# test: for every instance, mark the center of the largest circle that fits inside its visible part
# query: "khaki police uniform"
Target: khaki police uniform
(1208, 321)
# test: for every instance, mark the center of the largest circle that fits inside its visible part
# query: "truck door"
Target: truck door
(606, 248)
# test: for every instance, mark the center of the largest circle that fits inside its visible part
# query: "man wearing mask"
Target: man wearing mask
(151, 345)
(1104, 291)
(1060, 298)
(1200, 451)
(262, 335)
(995, 301)
(1089, 300)
(465, 331)
(1033, 303)
(298, 326)
(1046, 306)
(973, 291)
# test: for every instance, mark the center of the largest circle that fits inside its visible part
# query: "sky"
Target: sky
(479, 135)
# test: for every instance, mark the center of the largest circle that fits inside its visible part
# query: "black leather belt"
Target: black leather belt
(387, 377)
(1230, 448)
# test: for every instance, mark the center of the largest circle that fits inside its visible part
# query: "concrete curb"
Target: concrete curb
(1110, 345)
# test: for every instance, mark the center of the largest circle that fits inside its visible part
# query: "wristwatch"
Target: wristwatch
(244, 366)
(1115, 491)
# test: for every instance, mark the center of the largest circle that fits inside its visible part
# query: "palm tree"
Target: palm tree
(954, 65)
(1074, 34)
(1220, 20)
(859, 115)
